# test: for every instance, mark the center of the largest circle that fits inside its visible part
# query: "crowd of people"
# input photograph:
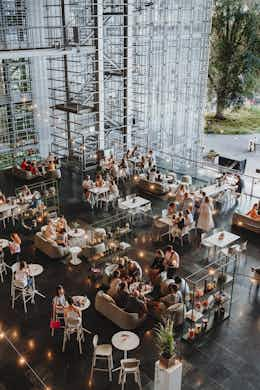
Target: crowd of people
(56, 231)
(51, 164)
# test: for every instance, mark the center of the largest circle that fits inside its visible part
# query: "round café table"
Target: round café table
(77, 237)
(34, 271)
(125, 341)
(75, 250)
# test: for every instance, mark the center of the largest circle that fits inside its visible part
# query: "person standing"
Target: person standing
(205, 221)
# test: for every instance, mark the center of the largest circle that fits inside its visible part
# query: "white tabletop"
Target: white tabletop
(214, 189)
(130, 204)
(110, 269)
(81, 302)
(79, 233)
(4, 243)
(145, 288)
(6, 206)
(34, 269)
(75, 249)
(228, 239)
(99, 190)
(125, 340)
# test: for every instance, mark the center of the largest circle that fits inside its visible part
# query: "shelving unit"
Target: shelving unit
(211, 293)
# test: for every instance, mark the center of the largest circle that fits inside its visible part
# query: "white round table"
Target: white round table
(77, 237)
(4, 243)
(109, 269)
(81, 302)
(75, 250)
(125, 341)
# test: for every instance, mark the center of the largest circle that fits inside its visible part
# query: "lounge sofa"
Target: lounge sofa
(49, 248)
(27, 175)
(106, 306)
(245, 222)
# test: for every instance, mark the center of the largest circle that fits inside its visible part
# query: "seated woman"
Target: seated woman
(188, 218)
(34, 170)
(152, 175)
(59, 301)
(133, 271)
(50, 232)
(24, 164)
(62, 237)
(62, 223)
(171, 261)
(51, 166)
(15, 246)
(86, 185)
(188, 201)
(2, 198)
(174, 296)
(113, 190)
(157, 266)
(172, 209)
(122, 295)
(99, 180)
(26, 192)
(114, 284)
(180, 193)
(253, 213)
(22, 275)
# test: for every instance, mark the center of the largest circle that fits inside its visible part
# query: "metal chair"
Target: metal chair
(102, 352)
(58, 315)
(25, 292)
(129, 366)
(3, 269)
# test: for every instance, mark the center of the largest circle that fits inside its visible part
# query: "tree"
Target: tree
(235, 53)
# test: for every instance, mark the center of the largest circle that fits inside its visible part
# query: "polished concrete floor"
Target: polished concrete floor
(227, 358)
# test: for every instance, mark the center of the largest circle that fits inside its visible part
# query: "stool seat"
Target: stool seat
(104, 350)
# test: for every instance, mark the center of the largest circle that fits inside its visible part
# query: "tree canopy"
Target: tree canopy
(235, 53)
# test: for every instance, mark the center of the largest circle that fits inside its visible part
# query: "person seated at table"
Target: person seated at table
(253, 213)
(151, 158)
(124, 169)
(172, 209)
(180, 193)
(71, 311)
(28, 166)
(134, 151)
(188, 201)
(113, 190)
(157, 266)
(188, 218)
(2, 198)
(62, 223)
(61, 237)
(99, 180)
(121, 297)
(183, 287)
(33, 169)
(51, 166)
(36, 200)
(22, 275)
(24, 164)
(152, 175)
(171, 261)
(114, 284)
(49, 232)
(114, 170)
(128, 154)
(59, 301)
(56, 162)
(133, 271)
(86, 185)
(25, 192)
(15, 246)
(174, 296)
(135, 304)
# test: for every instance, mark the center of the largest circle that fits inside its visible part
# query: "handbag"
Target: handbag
(54, 324)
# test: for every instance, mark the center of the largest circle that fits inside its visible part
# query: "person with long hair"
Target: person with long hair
(205, 221)
(15, 246)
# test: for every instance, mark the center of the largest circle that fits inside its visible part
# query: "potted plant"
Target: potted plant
(166, 343)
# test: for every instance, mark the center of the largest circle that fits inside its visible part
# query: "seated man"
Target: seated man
(183, 287)
(136, 305)
(173, 296)
(157, 266)
(171, 261)
(24, 164)
(122, 295)
(133, 271)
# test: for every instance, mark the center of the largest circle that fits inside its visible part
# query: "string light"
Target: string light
(21, 361)
(31, 344)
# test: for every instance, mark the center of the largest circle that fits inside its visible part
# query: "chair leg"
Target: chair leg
(1, 275)
(80, 346)
(109, 369)
(92, 367)
(64, 341)
(139, 380)
(24, 301)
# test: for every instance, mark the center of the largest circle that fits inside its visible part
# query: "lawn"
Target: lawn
(244, 121)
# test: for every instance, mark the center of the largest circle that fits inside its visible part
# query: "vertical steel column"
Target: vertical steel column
(129, 74)
(101, 133)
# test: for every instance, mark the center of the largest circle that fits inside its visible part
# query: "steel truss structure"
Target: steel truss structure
(120, 72)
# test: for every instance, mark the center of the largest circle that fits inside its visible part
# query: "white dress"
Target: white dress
(205, 221)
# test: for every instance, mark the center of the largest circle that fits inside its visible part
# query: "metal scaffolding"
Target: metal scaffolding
(120, 72)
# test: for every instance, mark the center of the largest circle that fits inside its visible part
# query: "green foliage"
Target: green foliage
(242, 121)
(235, 53)
(165, 338)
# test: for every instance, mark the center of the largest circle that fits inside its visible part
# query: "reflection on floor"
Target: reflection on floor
(226, 359)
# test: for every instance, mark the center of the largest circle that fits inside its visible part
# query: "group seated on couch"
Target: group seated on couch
(249, 221)
(29, 170)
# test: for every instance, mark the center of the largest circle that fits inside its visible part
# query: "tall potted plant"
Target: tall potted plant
(166, 343)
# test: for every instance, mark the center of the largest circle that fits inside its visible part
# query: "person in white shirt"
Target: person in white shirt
(188, 218)
(86, 185)
(113, 190)
(22, 275)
